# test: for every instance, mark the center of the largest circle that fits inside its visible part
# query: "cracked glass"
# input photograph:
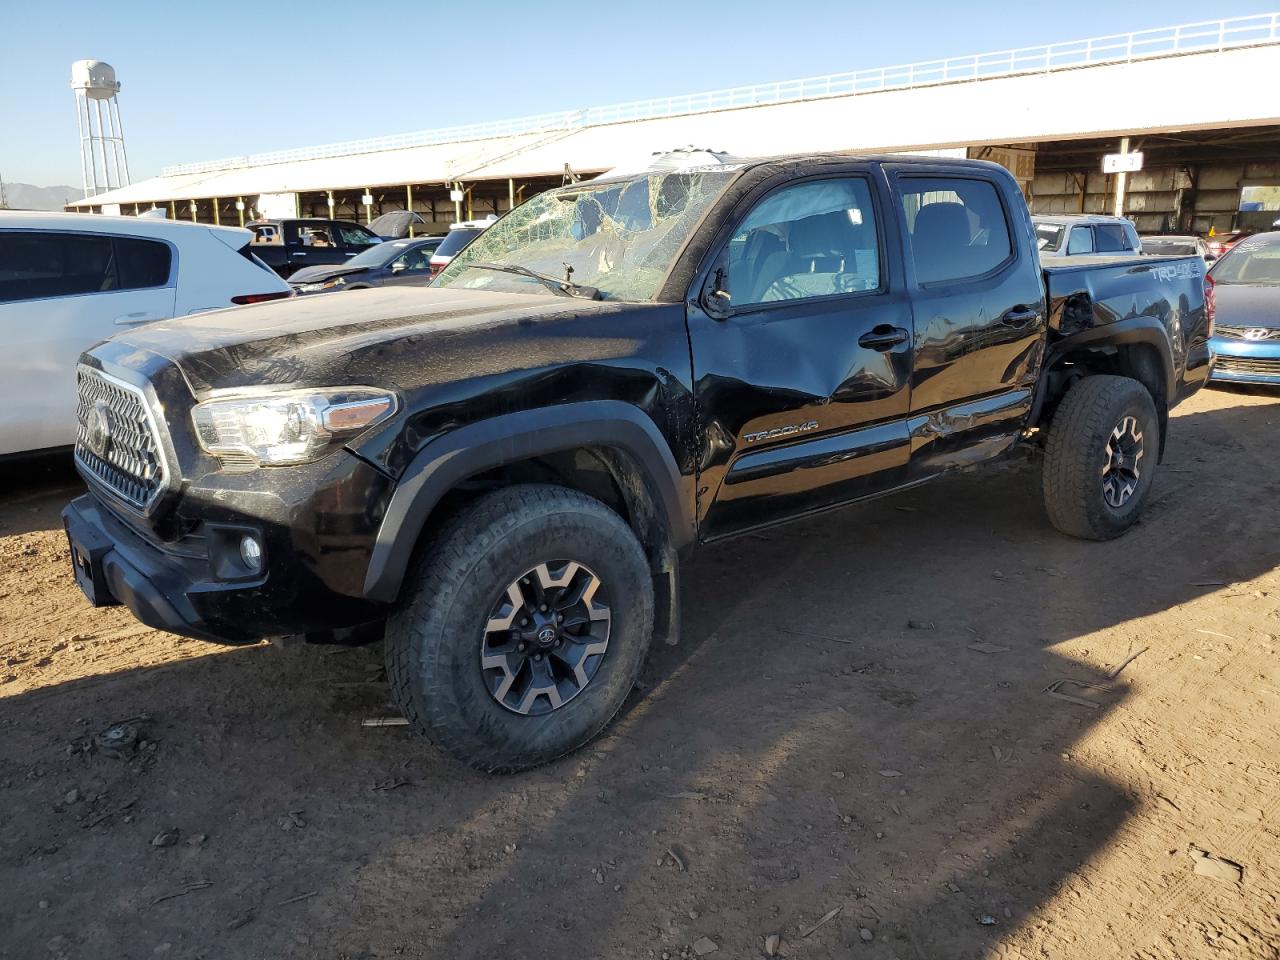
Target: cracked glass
(621, 237)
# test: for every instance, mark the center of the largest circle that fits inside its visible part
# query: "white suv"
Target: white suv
(69, 280)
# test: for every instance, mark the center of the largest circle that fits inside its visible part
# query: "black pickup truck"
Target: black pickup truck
(287, 246)
(504, 469)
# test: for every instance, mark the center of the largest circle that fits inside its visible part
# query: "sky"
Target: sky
(204, 80)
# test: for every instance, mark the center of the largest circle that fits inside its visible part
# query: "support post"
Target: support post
(217, 215)
(408, 193)
(511, 194)
(457, 204)
(1121, 180)
(240, 209)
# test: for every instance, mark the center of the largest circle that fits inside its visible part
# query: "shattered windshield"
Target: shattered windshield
(620, 237)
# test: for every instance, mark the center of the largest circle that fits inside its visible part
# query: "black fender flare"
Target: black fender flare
(510, 438)
(1132, 331)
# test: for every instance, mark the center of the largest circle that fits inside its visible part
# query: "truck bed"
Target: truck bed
(1087, 292)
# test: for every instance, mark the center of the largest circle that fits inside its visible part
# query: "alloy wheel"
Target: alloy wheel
(545, 638)
(1122, 469)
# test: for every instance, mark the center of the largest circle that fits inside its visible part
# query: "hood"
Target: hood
(1248, 305)
(323, 272)
(404, 338)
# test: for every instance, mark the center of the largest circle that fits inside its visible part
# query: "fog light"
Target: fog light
(251, 553)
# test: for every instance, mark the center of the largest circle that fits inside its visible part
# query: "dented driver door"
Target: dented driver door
(803, 373)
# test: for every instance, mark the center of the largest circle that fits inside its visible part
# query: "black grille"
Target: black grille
(1245, 365)
(116, 439)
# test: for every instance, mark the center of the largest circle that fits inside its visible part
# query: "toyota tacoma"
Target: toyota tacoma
(502, 472)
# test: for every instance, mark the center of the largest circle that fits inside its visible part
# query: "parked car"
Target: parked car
(69, 280)
(459, 235)
(390, 263)
(1177, 246)
(1220, 243)
(505, 468)
(1246, 284)
(1086, 235)
(286, 246)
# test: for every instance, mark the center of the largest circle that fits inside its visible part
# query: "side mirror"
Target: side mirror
(715, 299)
(398, 267)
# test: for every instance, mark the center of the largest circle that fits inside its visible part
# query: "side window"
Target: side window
(808, 240)
(417, 260)
(1081, 241)
(1111, 238)
(957, 227)
(349, 236)
(142, 263)
(34, 266)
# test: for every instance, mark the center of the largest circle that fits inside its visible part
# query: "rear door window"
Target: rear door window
(142, 263)
(1111, 238)
(1081, 241)
(352, 236)
(957, 227)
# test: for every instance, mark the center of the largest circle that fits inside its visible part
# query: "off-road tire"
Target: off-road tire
(433, 640)
(1076, 453)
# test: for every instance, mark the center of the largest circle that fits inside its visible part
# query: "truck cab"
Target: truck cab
(287, 246)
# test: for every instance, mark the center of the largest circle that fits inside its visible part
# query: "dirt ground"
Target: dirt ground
(853, 729)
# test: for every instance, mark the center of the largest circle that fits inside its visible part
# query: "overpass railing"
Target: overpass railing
(1206, 36)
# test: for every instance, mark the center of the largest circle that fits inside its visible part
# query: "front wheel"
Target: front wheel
(524, 628)
(1100, 457)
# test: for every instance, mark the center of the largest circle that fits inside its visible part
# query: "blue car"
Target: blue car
(1246, 284)
(392, 263)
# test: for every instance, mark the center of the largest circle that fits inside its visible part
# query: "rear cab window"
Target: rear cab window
(1049, 236)
(957, 227)
(456, 240)
(1113, 238)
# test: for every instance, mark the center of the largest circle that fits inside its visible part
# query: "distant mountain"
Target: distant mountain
(24, 196)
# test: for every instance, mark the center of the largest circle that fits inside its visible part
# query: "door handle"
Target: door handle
(126, 319)
(1020, 317)
(883, 338)
(300, 253)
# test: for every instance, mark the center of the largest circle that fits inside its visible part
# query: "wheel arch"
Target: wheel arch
(606, 448)
(1137, 348)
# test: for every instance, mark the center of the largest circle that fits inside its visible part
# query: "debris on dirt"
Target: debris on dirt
(866, 934)
(822, 921)
(291, 820)
(299, 898)
(816, 636)
(119, 740)
(1215, 868)
(1115, 672)
(243, 920)
(997, 753)
(705, 945)
(1055, 690)
(987, 920)
(187, 888)
(71, 796)
(687, 795)
(385, 722)
(983, 647)
(166, 838)
(197, 839)
(772, 945)
(921, 625)
(1215, 633)
(675, 854)
(391, 784)
(890, 773)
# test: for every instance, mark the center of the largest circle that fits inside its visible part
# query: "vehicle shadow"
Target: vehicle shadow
(855, 718)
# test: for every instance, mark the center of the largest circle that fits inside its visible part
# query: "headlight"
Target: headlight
(294, 426)
(335, 282)
(310, 287)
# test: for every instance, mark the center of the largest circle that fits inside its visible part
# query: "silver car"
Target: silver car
(1086, 235)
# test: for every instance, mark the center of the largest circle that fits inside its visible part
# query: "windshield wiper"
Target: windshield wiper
(565, 288)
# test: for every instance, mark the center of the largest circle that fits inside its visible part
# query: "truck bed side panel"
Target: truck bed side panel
(1159, 298)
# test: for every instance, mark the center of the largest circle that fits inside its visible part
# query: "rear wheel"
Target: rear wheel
(524, 629)
(1100, 457)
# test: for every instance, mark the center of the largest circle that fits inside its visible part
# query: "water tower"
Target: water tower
(103, 163)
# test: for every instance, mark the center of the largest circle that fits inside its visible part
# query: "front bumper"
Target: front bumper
(1243, 361)
(315, 544)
